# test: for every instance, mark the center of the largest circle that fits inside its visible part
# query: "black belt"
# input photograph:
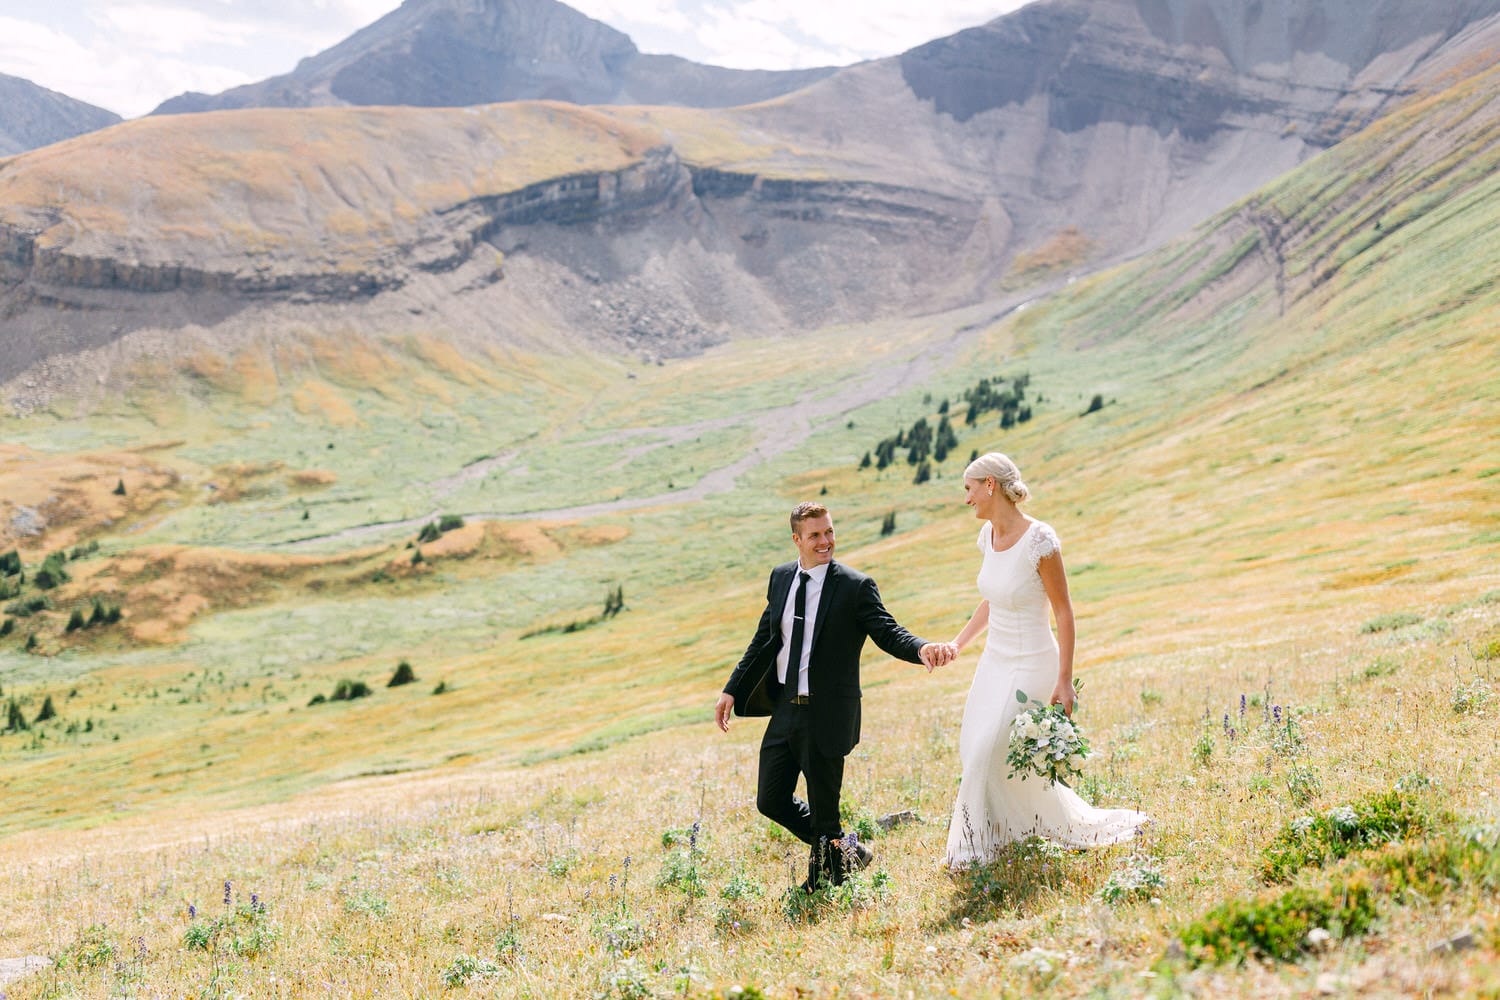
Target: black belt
(799, 699)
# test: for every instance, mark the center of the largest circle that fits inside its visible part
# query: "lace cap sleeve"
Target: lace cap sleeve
(1042, 542)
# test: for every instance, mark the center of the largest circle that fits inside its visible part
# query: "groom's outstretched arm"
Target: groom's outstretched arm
(884, 629)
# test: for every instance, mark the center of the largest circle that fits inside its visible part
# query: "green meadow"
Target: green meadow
(1284, 550)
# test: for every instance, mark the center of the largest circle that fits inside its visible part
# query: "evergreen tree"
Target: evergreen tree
(403, 675)
(864, 463)
(47, 712)
(888, 526)
(15, 722)
(76, 620)
(52, 573)
(119, 489)
(1096, 404)
(924, 473)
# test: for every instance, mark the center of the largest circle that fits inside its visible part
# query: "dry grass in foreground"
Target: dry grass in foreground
(643, 871)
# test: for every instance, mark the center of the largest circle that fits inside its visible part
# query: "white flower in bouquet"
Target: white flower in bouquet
(1045, 742)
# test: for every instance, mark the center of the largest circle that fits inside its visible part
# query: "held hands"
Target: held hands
(722, 709)
(938, 654)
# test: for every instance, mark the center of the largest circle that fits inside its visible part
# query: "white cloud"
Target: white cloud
(107, 74)
(170, 30)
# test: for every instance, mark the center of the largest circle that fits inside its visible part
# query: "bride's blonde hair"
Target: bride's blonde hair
(1003, 471)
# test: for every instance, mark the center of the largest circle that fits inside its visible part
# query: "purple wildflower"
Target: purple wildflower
(255, 901)
(192, 912)
(1226, 722)
(1242, 706)
(1276, 713)
(228, 892)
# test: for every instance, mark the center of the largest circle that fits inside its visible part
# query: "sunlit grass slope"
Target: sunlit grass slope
(1283, 545)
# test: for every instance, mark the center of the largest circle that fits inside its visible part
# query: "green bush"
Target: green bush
(1434, 868)
(403, 675)
(1390, 622)
(52, 574)
(450, 522)
(1276, 925)
(7, 627)
(430, 533)
(48, 711)
(30, 606)
(347, 690)
(10, 563)
(15, 721)
(1315, 840)
(76, 620)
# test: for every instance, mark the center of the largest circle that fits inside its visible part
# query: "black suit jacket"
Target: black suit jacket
(849, 610)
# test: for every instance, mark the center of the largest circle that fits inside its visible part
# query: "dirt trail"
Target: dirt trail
(778, 432)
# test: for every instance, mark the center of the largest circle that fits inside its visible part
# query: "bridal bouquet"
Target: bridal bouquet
(1045, 742)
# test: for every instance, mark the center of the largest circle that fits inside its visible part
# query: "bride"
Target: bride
(1020, 575)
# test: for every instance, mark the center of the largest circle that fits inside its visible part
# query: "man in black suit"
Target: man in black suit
(802, 669)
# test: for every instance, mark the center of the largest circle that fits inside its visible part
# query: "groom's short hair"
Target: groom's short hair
(805, 510)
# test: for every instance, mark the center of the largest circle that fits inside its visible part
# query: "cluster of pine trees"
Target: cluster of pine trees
(922, 440)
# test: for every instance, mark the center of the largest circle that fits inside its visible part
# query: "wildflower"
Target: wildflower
(1302, 824)
(1226, 723)
(1343, 816)
(1276, 713)
(1242, 706)
(1318, 938)
(228, 893)
(192, 912)
(255, 901)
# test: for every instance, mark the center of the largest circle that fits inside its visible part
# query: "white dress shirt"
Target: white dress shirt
(814, 591)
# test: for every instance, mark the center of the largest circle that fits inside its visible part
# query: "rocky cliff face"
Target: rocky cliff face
(32, 116)
(942, 177)
(451, 53)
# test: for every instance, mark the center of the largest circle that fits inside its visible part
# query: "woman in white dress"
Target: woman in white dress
(1020, 576)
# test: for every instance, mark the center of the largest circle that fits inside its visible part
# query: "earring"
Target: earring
(990, 491)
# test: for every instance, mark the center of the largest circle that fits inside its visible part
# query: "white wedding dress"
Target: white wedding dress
(1020, 653)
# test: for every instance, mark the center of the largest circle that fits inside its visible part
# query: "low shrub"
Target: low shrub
(1276, 925)
(1390, 622)
(347, 690)
(1315, 840)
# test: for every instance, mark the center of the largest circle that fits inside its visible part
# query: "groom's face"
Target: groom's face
(814, 541)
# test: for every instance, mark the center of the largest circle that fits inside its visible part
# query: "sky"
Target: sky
(130, 55)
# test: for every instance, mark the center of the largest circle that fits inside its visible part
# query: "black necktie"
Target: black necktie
(799, 621)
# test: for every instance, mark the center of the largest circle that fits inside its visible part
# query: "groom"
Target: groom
(802, 669)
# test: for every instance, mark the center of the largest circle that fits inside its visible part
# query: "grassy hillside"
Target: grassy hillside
(1283, 546)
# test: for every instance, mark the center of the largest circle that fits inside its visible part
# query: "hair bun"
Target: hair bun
(1017, 491)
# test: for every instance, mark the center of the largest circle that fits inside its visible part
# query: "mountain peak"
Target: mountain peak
(32, 116)
(446, 53)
